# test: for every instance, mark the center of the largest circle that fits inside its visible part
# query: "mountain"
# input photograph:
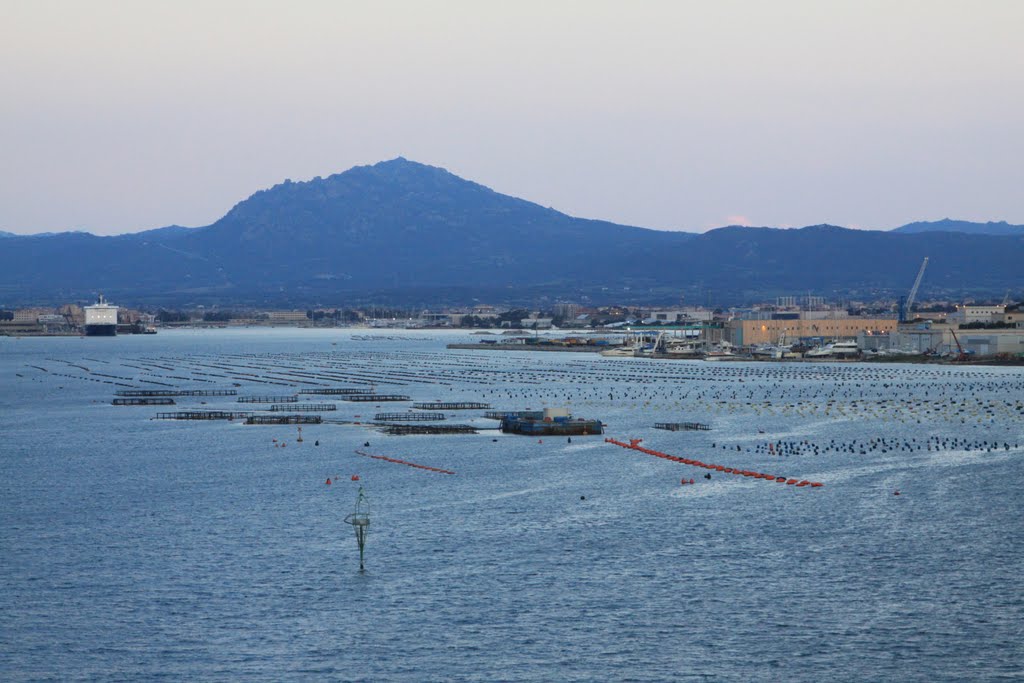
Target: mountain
(950, 225)
(401, 232)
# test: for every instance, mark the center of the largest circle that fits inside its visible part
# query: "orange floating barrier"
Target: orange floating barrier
(634, 444)
(404, 462)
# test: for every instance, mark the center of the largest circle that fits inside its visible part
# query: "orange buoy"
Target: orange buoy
(328, 482)
(355, 477)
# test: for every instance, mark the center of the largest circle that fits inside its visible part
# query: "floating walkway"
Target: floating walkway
(404, 462)
(458, 405)
(634, 444)
(156, 401)
(683, 426)
(408, 417)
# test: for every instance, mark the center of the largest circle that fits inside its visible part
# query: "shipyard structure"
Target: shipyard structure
(100, 319)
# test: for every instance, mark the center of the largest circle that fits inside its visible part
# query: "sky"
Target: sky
(124, 116)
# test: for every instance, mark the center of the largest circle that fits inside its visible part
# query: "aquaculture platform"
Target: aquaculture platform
(559, 426)
(682, 426)
(399, 430)
(338, 391)
(156, 401)
(522, 414)
(175, 392)
(303, 407)
(268, 399)
(373, 398)
(459, 405)
(408, 417)
(528, 347)
(203, 415)
(283, 420)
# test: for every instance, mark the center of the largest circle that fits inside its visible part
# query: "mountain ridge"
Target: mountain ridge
(408, 230)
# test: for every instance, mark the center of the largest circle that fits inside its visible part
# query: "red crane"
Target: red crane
(961, 354)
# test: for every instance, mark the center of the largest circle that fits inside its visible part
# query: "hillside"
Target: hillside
(949, 225)
(403, 232)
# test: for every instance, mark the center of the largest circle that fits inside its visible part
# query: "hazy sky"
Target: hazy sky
(123, 116)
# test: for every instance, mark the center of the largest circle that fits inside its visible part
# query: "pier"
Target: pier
(683, 426)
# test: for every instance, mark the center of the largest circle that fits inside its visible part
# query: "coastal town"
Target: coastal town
(789, 328)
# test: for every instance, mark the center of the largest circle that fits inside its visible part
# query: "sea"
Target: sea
(136, 548)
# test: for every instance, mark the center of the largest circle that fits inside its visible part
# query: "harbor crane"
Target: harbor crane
(904, 312)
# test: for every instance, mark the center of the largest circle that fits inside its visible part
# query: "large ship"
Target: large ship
(100, 319)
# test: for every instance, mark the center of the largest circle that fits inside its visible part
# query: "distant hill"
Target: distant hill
(407, 233)
(949, 225)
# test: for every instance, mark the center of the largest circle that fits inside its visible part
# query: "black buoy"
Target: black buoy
(583, 497)
(316, 443)
(366, 445)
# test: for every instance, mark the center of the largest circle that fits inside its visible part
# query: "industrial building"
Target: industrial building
(788, 331)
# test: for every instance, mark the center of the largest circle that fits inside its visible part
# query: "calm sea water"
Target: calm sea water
(132, 548)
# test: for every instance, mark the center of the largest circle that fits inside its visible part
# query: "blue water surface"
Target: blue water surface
(140, 549)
